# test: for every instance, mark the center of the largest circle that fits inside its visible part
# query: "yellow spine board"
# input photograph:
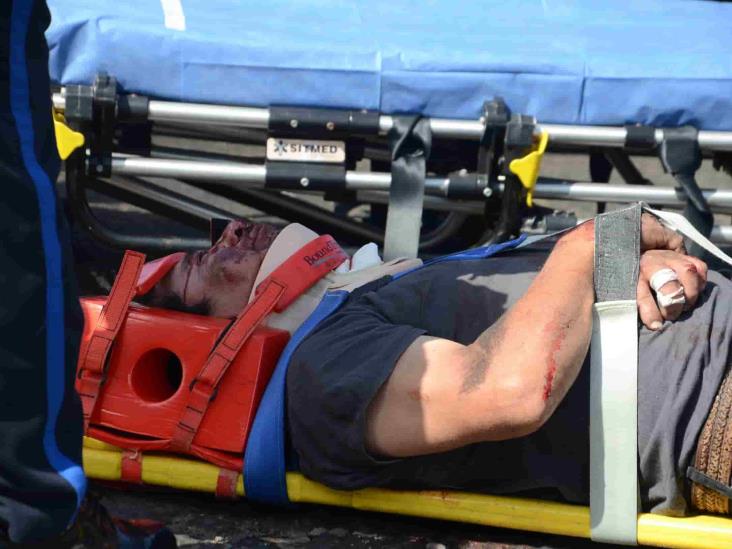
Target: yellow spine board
(102, 461)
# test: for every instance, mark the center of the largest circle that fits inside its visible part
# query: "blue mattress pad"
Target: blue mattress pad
(657, 62)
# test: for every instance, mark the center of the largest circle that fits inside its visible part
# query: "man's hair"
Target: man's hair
(173, 302)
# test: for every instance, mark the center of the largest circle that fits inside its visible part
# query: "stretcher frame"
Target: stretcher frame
(103, 462)
(93, 165)
(486, 189)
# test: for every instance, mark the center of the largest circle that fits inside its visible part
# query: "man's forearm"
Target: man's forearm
(442, 394)
(537, 348)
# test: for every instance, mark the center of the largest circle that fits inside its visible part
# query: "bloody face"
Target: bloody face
(222, 276)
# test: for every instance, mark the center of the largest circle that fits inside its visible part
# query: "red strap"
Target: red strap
(93, 353)
(226, 484)
(131, 466)
(303, 269)
(286, 283)
(203, 387)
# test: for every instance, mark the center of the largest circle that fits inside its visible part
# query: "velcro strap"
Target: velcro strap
(614, 379)
(286, 283)
(131, 466)
(226, 484)
(94, 352)
(411, 141)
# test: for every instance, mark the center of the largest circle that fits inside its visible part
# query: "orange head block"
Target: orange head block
(152, 366)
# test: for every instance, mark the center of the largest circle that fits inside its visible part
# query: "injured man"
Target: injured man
(473, 374)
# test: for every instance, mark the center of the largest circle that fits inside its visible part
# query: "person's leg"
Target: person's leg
(41, 480)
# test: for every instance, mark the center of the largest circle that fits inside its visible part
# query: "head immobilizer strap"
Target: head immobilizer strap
(135, 278)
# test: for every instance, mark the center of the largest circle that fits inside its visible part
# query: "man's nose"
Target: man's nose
(232, 233)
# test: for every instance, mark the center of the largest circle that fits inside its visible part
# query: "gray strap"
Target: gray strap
(614, 379)
(682, 157)
(617, 254)
(411, 140)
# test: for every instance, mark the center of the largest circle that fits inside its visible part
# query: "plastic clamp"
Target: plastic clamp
(527, 168)
(67, 140)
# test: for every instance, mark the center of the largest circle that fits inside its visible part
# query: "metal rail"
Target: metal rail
(253, 176)
(721, 234)
(559, 134)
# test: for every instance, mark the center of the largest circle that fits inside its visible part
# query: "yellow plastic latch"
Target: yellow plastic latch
(67, 140)
(527, 168)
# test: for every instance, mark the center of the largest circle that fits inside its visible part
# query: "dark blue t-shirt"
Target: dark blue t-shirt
(338, 369)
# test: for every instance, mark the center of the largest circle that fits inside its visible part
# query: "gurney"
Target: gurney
(270, 476)
(335, 93)
(327, 88)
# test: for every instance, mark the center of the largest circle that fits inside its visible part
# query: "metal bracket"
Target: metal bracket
(495, 117)
(681, 157)
(519, 139)
(92, 110)
(322, 123)
(305, 177)
(640, 138)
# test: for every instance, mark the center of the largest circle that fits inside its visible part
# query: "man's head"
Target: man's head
(217, 281)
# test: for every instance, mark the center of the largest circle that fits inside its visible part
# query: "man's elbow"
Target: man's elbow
(530, 410)
(515, 407)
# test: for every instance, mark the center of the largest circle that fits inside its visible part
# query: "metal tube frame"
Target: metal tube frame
(559, 134)
(253, 177)
(188, 118)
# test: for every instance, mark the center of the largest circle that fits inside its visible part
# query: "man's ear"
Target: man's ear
(216, 228)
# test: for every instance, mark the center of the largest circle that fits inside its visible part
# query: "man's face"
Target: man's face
(223, 275)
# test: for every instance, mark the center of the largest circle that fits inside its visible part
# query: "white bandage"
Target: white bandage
(662, 277)
(675, 298)
(659, 279)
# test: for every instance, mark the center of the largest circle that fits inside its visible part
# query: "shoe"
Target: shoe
(94, 528)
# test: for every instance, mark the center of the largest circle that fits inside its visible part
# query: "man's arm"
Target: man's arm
(443, 395)
(507, 383)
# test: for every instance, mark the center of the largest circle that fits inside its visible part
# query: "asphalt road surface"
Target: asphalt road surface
(202, 521)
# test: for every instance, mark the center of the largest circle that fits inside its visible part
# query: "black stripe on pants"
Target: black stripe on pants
(41, 481)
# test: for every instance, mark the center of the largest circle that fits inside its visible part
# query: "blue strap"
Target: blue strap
(475, 253)
(265, 455)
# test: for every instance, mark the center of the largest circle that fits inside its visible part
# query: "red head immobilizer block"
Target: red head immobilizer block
(153, 362)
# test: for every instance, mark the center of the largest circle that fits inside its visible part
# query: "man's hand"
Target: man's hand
(656, 236)
(692, 276)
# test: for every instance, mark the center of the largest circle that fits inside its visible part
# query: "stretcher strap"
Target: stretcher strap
(411, 140)
(226, 484)
(679, 223)
(131, 466)
(614, 379)
(681, 156)
(94, 351)
(276, 292)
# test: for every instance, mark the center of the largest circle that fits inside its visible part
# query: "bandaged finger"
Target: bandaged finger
(662, 277)
(671, 299)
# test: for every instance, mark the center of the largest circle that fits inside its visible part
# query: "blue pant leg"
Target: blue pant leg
(41, 480)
